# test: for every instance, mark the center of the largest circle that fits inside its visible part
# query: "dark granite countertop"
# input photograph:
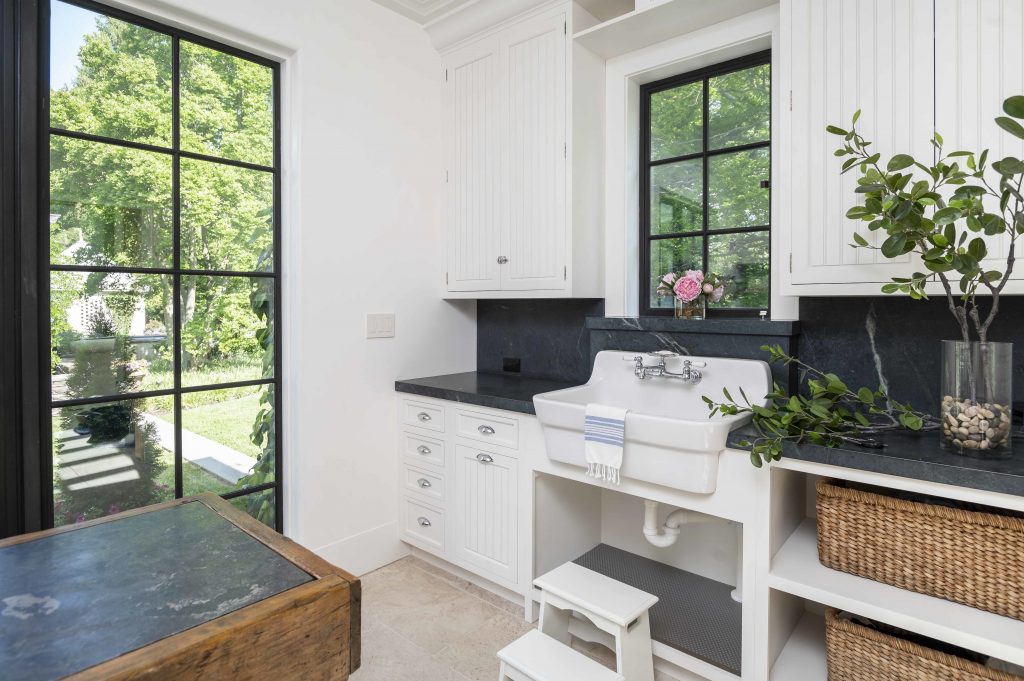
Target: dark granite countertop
(72, 600)
(498, 391)
(908, 455)
(914, 455)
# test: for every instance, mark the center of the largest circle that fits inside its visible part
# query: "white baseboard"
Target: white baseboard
(366, 551)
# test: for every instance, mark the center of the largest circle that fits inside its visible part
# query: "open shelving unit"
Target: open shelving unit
(803, 657)
(797, 571)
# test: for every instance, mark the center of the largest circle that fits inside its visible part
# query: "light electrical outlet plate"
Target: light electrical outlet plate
(380, 325)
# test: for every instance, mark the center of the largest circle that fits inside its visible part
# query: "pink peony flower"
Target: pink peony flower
(670, 278)
(687, 289)
(708, 288)
(696, 275)
(717, 294)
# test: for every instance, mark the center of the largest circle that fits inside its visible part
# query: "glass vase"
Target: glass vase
(694, 309)
(977, 390)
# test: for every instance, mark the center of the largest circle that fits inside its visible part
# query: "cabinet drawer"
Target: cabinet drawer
(423, 525)
(423, 415)
(423, 482)
(486, 428)
(423, 450)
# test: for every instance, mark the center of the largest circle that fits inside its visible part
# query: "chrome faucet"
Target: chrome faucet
(690, 374)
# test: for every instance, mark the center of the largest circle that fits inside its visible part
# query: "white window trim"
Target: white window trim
(746, 34)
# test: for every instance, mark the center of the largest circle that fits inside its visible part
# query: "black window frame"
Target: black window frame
(46, 404)
(702, 75)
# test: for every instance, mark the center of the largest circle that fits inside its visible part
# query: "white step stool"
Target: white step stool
(613, 607)
(537, 657)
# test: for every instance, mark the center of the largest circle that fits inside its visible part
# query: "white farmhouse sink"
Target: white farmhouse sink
(670, 438)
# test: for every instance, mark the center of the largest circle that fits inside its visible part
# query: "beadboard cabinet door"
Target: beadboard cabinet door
(978, 64)
(840, 56)
(485, 518)
(533, 65)
(472, 146)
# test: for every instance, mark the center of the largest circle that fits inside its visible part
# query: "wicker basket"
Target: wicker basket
(970, 557)
(858, 653)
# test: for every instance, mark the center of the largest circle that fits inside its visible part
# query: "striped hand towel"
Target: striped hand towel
(603, 432)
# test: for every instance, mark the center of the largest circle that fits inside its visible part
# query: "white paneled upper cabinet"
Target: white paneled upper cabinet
(508, 147)
(978, 64)
(912, 67)
(840, 56)
(471, 141)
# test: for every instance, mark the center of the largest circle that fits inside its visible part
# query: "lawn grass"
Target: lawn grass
(193, 478)
(229, 422)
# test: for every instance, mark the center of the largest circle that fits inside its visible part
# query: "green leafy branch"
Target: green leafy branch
(941, 218)
(830, 415)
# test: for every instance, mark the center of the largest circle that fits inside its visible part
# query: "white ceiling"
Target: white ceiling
(423, 11)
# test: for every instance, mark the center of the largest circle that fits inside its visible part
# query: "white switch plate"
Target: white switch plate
(380, 325)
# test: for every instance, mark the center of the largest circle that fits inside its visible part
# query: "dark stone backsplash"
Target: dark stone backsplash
(896, 342)
(866, 340)
(548, 336)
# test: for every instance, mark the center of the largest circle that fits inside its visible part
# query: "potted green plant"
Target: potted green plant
(945, 213)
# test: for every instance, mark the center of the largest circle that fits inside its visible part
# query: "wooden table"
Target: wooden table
(189, 589)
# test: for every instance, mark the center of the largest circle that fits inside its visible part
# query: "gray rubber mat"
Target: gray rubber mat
(693, 614)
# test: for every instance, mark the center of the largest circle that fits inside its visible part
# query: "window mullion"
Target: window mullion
(704, 170)
(176, 255)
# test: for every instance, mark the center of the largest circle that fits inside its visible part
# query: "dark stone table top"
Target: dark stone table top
(913, 455)
(72, 600)
(498, 391)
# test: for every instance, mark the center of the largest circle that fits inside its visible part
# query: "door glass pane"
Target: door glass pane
(742, 259)
(227, 217)
(109, 77)
(677, 127)
(739, 107)
(110, 457)
(227, 106)
(109, 205)
(227, 332)
(673, 255)
(676, 197)
(228, 435)
(735, 195)
(110, 334)
(260, 505)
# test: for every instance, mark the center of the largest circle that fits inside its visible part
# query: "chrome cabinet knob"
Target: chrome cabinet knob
(423, 449)
(485, 430)
(423, 482)
(502, 260)
(484, 458)
(423, 522)
(423, 416)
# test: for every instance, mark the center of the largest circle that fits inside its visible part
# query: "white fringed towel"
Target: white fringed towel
(603, 431)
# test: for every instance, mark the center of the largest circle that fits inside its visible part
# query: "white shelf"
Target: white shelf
(803, 657)
(641, 28)
(796, 570)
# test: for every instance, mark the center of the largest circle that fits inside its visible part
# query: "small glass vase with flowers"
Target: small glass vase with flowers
(691, 292)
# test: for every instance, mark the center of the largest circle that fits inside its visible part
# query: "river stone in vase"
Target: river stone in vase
(977, 388)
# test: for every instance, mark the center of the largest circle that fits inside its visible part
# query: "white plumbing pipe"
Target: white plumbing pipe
(667, 534)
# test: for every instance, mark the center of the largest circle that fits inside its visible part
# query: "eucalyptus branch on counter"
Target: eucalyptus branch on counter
(830, 416)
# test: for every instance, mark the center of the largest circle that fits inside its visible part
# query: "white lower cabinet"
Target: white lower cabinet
(459, 485)
(485, 510)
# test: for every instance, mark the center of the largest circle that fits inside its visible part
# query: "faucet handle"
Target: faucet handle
(691, 363)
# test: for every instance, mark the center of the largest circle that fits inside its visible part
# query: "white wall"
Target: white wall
(362, 189)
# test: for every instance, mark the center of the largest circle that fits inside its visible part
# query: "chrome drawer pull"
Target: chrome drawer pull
(484, 458)
(423, 522)
(423, 416)
(424, 483)
(423, 449)
(485, 430)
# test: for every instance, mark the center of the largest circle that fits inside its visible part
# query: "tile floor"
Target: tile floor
(421, 623)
